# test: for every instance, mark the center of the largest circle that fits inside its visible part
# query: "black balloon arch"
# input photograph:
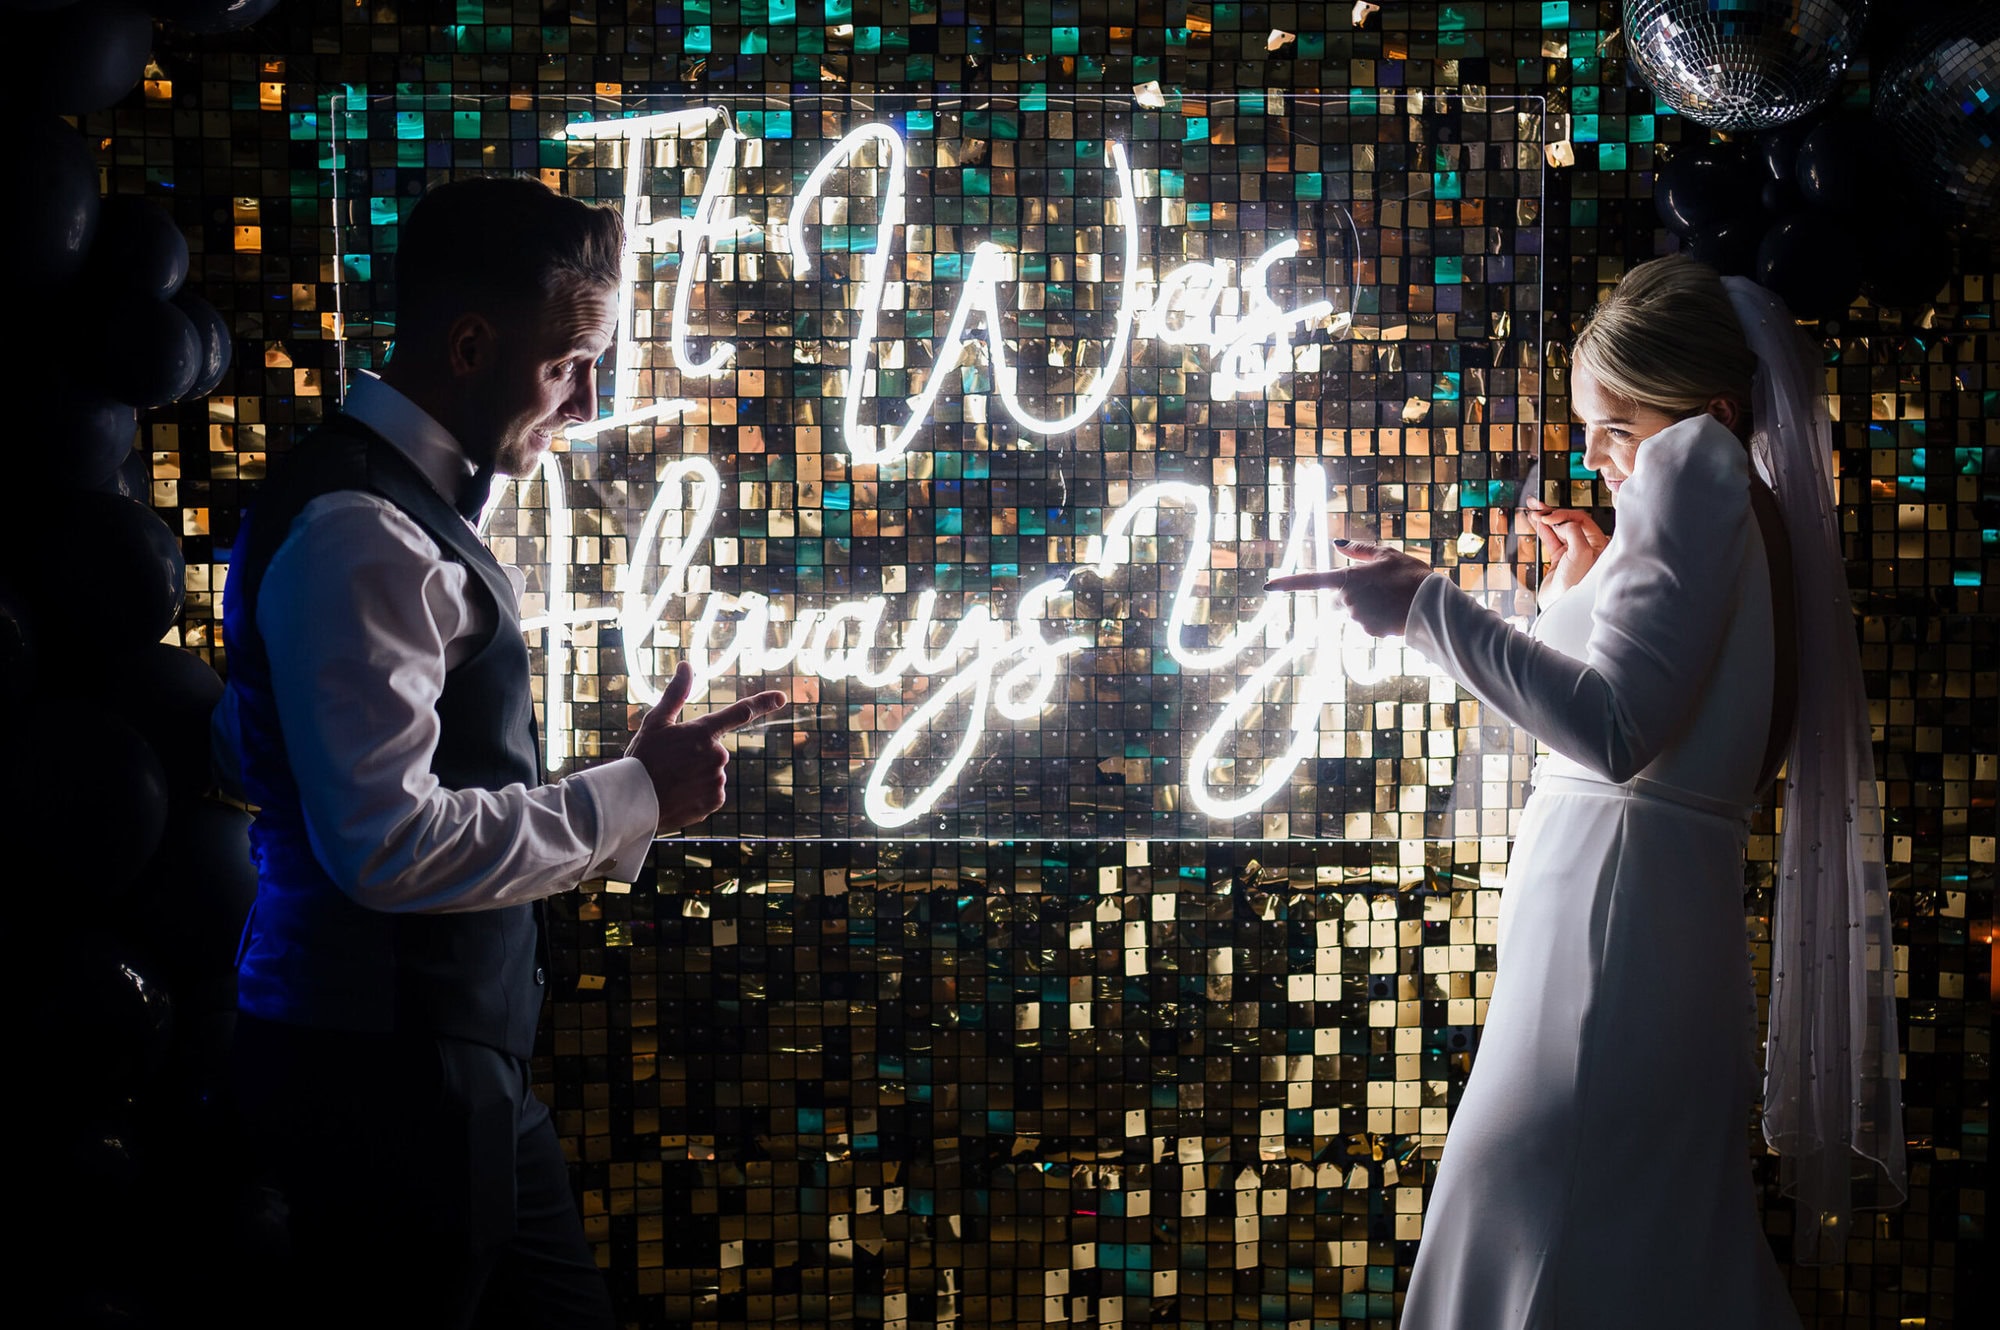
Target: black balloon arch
(1816, 212)
(1819, 205)
(138, 1182)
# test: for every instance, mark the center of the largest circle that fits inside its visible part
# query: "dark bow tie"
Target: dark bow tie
(472, 498)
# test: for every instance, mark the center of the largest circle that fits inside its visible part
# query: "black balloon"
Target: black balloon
(98, 786)
(82, 57)
(1703, 185)
(192, 902)
(1781, 196)
(1812, 261)
(1728, 246)
(149, 352)
(80, 439)
(49, 225)
(102, 1159)
(132, 479)
(102, 573)
(213, 15)
(139, 250)
(103, 1022)
(1778, 149)
(216, 347)
(88, 1184)
(167, 694)
(1842, 165)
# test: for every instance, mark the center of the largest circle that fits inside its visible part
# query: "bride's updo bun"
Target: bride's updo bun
(1667, 337)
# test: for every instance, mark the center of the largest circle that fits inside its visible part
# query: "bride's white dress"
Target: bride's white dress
(1596, 1172)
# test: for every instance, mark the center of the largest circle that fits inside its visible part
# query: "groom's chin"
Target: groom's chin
(520, 459)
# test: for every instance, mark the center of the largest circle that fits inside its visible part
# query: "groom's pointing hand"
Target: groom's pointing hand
(686, 759)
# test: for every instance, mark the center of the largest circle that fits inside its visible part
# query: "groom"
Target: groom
(394, 966)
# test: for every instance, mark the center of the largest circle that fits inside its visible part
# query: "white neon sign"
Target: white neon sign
(992, 667)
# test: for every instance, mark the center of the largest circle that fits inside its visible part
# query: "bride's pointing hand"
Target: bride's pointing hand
(1376, 590)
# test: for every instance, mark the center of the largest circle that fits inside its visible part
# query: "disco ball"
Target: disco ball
(1751, 64)
(1941, 99)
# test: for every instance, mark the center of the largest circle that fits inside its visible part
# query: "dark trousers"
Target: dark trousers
(425, 1183)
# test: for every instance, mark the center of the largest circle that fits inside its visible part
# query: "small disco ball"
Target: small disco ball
(1940, 97)
(1748, 64)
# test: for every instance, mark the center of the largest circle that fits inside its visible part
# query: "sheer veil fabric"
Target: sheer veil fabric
(1833, 1106)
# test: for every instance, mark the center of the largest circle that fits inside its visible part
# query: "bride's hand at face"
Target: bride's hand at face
(1572, 541)
(1375, 590)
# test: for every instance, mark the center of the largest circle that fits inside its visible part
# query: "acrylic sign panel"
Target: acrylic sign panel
(977, 425)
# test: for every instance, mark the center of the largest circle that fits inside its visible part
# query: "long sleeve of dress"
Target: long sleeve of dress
(1665, 587)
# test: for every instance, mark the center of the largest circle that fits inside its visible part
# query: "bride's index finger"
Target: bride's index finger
(1577, 515)
(1326, 581)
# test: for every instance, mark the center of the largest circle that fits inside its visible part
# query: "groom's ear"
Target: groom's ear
(472, 345)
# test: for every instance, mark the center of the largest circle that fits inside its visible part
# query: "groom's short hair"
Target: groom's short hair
(498, 246)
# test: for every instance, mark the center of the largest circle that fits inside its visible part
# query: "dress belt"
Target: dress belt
(1640, 787)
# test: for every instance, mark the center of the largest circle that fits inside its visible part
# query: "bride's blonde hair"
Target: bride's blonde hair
(1667, 337)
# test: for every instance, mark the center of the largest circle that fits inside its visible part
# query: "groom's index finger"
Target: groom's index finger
(738, 714)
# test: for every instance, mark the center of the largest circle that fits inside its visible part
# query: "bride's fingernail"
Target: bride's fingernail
(1341, 543)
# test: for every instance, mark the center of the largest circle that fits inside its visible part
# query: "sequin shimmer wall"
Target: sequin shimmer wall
(1066, 1049)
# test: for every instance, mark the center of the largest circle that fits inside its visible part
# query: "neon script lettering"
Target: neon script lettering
(992, 667)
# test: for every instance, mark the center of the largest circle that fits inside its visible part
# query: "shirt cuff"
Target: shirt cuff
(628, 817)
(1420, 630)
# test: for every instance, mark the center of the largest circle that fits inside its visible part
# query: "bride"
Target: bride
(1595, 1173)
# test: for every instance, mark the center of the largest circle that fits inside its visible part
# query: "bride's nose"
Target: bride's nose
(1595, 454)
